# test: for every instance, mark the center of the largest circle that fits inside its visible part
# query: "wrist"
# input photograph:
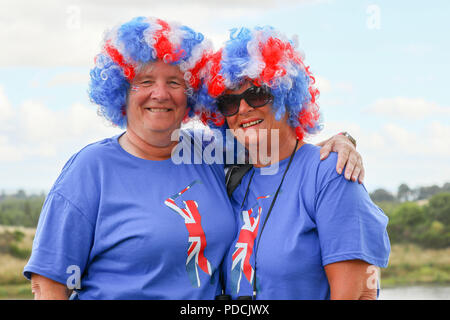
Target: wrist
(349, 137)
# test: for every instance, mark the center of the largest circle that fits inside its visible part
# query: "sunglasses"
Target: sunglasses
(255, 97)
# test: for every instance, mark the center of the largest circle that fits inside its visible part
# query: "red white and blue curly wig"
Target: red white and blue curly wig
(264, 57)
(130, 46)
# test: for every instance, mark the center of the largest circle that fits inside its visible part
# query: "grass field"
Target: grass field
(411, 265)
(13, 285)
(408, 265)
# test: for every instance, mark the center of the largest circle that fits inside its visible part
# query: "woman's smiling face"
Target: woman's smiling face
(157, 101)
(254, 125)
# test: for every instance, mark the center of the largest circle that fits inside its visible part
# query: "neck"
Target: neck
(152, 147)
(286, 143)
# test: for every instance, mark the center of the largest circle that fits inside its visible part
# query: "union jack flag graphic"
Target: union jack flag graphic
(197, 239)
(244, 247)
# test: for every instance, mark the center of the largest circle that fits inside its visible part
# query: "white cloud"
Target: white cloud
(326, 86)
(323, 84)
(334, 94)
(38, 131)
(39, 140)
(68, 78)
(394, 140)
(345, 87)
(8, 151)
(418, 49)
(399, 137)
(68, 33)
(6, 110)
(394, 153)
(437, 139)
(331, 128)
(407, 108)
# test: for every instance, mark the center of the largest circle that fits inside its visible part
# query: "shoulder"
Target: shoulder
(320, 171)
(96, 150)
(91, 153)
(80, 181)
(84, 165)
(326, 169)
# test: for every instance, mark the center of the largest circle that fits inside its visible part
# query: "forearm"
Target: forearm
(352, 292)
(349, 280)
(46, 289)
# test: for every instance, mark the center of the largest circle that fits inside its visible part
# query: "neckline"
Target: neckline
(117, 145)
(283, 163)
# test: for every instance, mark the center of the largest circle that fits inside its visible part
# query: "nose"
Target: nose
(160, 92)
(244, 107)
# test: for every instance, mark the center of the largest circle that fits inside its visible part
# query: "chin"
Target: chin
(163, 125)
(251, 137)
(250, 143)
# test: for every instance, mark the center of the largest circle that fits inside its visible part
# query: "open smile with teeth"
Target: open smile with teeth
(252, 123)
(158, 109)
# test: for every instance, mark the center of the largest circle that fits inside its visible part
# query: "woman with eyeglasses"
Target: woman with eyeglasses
(304, 231)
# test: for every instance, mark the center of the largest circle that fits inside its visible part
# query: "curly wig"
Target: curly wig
(266, 57)
(128, 47)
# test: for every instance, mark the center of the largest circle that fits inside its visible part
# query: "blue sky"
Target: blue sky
(381, 66)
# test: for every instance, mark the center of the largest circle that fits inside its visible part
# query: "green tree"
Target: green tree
(437, 233)
(21, 194)
(21, 212)
(427, 226)
(403, 193)
(427, 192)
(380, 195)
(439, 208)
(446, 187)
(406, 221)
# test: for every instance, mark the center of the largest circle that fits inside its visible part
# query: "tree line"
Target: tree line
(417, 215)
(405, 193)
(20, 209)
(426, 223)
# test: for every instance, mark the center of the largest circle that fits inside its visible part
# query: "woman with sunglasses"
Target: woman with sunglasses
(304, 232)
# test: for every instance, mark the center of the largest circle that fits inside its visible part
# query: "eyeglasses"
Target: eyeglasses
(255, 97)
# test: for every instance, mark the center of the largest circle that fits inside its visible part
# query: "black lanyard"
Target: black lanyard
(268, 213)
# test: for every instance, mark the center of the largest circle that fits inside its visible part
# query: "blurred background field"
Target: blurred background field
(418, 229)
(15, 249)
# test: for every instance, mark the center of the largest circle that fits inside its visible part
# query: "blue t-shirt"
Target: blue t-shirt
(134, 228)
(318, 218)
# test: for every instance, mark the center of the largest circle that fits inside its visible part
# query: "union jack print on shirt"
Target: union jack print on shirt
(244, 247)
(197, 239)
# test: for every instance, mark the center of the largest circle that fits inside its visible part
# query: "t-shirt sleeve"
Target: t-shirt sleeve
(62, 242)
(349, 224)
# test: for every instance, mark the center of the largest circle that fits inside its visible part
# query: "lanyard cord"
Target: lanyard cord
(268, 213)
(248, 187)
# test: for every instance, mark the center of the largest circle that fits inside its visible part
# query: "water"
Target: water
(416, 293)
